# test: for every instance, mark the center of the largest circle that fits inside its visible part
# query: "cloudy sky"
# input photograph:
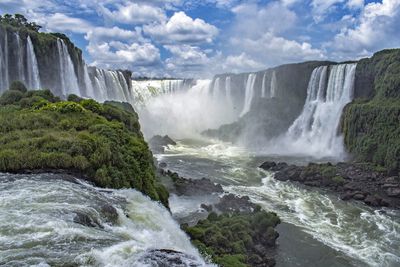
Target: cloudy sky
(197, 38)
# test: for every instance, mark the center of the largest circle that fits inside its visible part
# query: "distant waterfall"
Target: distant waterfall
(274, 85)
(111, 85)
(263, 89)
(33, 78)
(228, 91)
(20, 64)
(69, 81)
(315, 130)
(4, 79)
(249, 93)
(216, 88)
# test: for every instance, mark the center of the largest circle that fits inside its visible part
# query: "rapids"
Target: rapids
(44, 221)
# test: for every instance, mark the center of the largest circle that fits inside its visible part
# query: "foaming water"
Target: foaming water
(39, 226)
(369, 236)
(347, 233)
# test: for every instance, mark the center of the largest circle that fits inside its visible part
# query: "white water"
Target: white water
(33, 78)
(37, 225)
(68, 78)
(185, 113)
(249, 93)
(4, 79)
(20, 64)
(364, 234)
(369, 237)
(228, 92)
(315, 131)
(263, 88)
(274, 86)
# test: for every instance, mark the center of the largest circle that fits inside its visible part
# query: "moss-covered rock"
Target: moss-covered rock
(237, 239)
(100, 141)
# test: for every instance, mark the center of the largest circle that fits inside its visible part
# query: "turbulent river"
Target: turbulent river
(48, 220)
(318, 229)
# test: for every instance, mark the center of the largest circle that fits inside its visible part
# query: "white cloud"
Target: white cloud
(186, 55)
(320, 8)
(62, 23)
(240, 63)
(134, 13)
(378, 28)
(355, 4)
(99, 34)
(181, 28)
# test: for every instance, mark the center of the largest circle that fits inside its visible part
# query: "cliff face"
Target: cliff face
(371, 123)
(54, 61)
(272, 111)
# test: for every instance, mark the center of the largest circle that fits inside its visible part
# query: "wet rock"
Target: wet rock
(268, 165)
(193, 187)
(206, 207)
(168, 258)
(359, 196)
(347, 195)
(84, 219)
(373, 201)
(232, 203)
(393, 192)
(110, 213)
(162, 165)
(158, 143)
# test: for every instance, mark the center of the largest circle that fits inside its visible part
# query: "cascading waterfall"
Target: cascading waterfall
(88, 83)
(4, 79)
(20, 64)
(216, 88)
(274, 86)
(315, 131)
(33, 78)
(263, 89)
(69, 81)
(249, 93)
(228, 91)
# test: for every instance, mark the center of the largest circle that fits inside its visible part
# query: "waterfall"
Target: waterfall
(315, 130)
(228, 91)
(216, 88)
(4, 79)
(263, 89)
(20, 64)
(249, 93)
(33, 78)
(88, 83)
(273, 88)
(69, 81)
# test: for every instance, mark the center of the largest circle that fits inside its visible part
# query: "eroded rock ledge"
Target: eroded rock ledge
(358, 181)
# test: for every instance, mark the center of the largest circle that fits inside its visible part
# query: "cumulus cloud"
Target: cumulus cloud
(134, 13)
(238, 63)
(378, 28)
(181, 28)
(62, 23)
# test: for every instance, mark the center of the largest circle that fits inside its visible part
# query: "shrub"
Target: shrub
(11, 97)
(64, 107)
(18, 86)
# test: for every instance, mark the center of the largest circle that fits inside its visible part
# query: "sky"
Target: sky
(199, 38)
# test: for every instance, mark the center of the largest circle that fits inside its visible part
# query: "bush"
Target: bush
(18, 86)
(11, 97)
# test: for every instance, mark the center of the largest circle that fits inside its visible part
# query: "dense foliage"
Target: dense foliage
(371, 123)
(19, 21)
(101, 141)
(236, 239)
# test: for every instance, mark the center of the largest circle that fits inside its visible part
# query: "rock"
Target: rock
(158, 143)
(351, 186)
(193, 187)
(110, 213)
(206, 207)
(230, 203)
(268, 165)
(162, 165)
(347, 195)
(393, 192)
(373, 201)
(84, 219)
(359, 196)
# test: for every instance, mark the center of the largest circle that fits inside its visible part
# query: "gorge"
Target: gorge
(55, 144)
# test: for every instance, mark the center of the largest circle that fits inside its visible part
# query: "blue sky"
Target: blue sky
(198, 38)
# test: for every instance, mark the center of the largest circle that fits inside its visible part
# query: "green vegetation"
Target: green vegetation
(100, 141)
(236, 239)
(19, 21)
(371, 123)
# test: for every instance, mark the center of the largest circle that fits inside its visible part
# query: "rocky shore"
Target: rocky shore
(352, 181)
